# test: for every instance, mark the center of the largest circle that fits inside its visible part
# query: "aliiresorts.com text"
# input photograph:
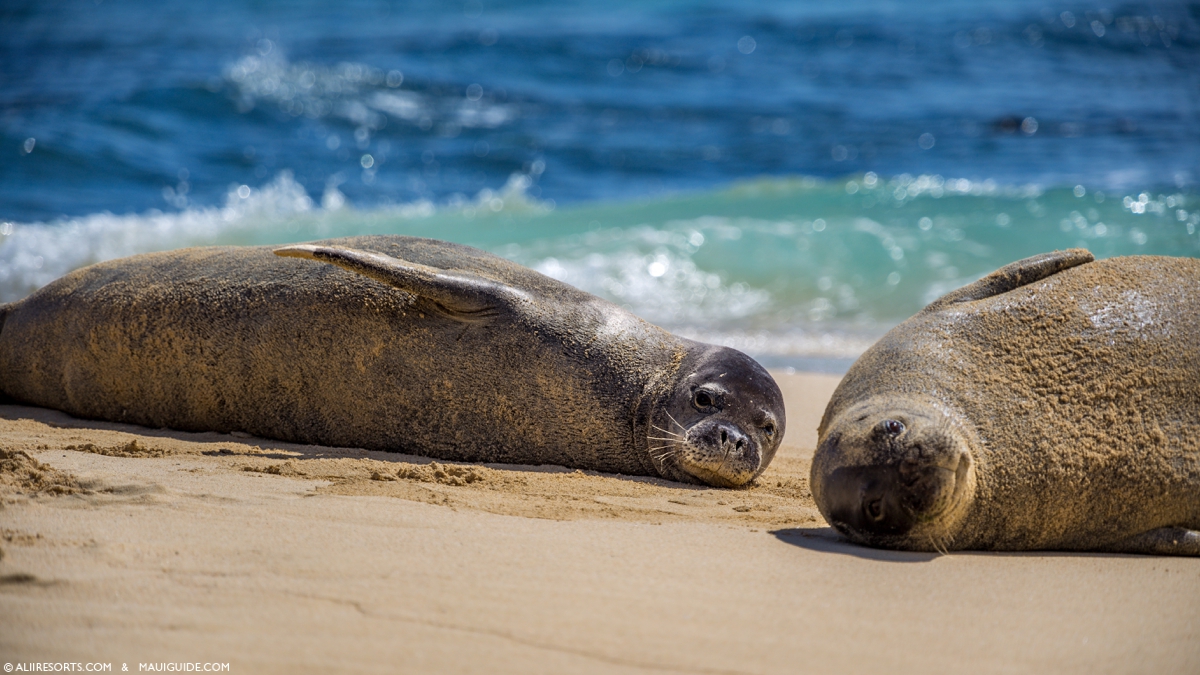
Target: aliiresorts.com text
(73, 667)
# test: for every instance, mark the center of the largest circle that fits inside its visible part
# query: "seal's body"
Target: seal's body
(1054, 404)
(401, 344)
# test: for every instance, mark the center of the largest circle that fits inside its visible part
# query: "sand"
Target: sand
(128, 545)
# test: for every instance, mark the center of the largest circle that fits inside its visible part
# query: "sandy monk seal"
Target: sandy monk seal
(401, 344)
(1054, 404)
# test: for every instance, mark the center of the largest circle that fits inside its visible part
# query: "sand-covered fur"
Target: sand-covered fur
(1052, 405)
(389, 343)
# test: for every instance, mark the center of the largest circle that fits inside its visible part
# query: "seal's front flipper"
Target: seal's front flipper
(1015, 275)
(460, 295)
(1163, 541)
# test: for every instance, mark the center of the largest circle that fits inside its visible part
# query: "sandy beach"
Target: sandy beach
(128, 545)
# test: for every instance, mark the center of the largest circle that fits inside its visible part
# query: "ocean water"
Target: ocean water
(788, 178)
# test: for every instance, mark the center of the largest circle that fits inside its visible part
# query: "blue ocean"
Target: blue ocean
(788, 178)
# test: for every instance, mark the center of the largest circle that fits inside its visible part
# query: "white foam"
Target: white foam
(34, 254)
(665, 285)
(650, 270)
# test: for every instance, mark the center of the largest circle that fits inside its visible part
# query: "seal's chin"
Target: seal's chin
(896, 484)
(715, 453)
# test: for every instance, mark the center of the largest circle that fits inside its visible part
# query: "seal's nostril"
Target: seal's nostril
(724, 436)
(740, 443)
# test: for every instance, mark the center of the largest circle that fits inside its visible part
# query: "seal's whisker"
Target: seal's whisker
(660, 438)
(669, 433)
(947, 542)
(724, 458)
(663, 455)
(938, 546)
(672, 418)
(660, 452)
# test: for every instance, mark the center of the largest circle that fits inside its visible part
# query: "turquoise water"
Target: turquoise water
(788, 178)
(796, 271)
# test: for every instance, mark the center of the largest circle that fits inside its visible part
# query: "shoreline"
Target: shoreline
(153, 545)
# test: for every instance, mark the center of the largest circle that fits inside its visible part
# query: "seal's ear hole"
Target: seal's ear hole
(892, 427)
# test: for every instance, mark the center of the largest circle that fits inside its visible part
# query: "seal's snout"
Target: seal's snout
(723, 448)
(730, 441)
(719, 452)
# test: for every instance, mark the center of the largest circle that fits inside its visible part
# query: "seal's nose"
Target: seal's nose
(733, 442)
(867, 500)
(730, 442)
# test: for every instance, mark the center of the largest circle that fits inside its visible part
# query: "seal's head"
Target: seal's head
(721, 422)
(896, 472)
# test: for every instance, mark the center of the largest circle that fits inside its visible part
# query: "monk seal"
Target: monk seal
(389, 343)
(1054, 404)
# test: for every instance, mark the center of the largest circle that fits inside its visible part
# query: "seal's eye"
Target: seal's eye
(769, 430)
(874, 509)
(704, 400)
(893, 427)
